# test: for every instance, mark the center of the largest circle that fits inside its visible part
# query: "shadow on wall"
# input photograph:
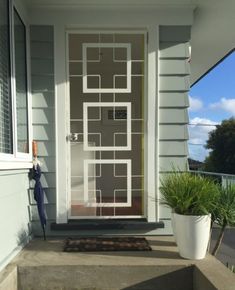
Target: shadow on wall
(23, 236)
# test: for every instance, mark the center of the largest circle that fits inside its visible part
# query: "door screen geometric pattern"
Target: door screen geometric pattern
(106, 77)
(111, 47)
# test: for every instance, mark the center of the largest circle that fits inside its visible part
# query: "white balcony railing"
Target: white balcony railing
(222, 178)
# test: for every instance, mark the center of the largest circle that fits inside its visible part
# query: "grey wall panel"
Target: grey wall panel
(173, 148)
(14, 216)
(169, 162)
(174, 83)
(43, 100)
(48, 164)
(41, 50)
(47, 180)
(174, 71)
(165, 212)
(44, 132)
(174, 50)
(46, 148)
(42, 83)
(175, 33)
(173, 99)
(49, 196)
(41, 33)
(42, 67)
(50, 211)
(43, 114)
(174, 67)
(173, 116)
(173, 132)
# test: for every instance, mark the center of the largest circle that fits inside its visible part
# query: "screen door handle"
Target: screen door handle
(73, 137)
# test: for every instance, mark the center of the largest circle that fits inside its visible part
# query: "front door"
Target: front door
(106, 73)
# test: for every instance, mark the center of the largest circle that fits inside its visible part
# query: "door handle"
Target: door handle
(73, 137)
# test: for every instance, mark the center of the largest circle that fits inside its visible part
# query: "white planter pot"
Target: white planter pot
(193, 234)
(173, 225)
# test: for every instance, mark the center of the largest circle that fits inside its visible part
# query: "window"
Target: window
(14, 113)
(21, 84)
(5, 85)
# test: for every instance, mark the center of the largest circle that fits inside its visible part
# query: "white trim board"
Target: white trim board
(62, 110)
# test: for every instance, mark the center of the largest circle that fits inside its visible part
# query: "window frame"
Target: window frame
(17, 160)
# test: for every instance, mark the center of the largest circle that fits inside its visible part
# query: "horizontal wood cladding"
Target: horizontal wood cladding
(44, 132)
(174, 67)
(42, 50)
(173, 100)
(49, 196)
(13, 184)
(167, 163)
(172, 132)
(43, 116)
(173, 116)
(41, 66)
(174, 84)
(173, 148)
(50, 211)
(42, 33)
(42, 83)
(43, 100)
(47, 163)
(47, 180)
(175, 50)
(46, 148)
(14, 213)
(165, 212)
(177, 33)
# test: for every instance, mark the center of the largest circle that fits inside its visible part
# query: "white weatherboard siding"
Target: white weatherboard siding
(14, 216)
(174, 73)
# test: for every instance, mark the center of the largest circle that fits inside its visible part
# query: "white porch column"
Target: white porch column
(61, 125)
(152, 154)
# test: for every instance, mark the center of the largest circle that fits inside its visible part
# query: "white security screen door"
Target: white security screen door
(106, 87)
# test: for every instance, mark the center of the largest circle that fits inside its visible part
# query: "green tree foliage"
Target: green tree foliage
(222, 144)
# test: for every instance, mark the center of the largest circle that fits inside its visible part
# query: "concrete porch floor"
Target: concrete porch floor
(40, 254)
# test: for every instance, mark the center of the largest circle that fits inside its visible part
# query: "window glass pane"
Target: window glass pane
(5, 87)
(21, 84)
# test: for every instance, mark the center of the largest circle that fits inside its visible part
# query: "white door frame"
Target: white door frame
(63, 126)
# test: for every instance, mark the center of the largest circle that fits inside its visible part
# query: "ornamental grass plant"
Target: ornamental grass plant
(189, 194)
(224, 213)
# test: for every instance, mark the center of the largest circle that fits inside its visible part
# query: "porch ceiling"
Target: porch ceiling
(109, 2)
(213, 33)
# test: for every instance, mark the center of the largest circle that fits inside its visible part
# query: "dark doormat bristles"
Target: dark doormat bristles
(96, 244)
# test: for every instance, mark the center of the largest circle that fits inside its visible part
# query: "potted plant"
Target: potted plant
(224, 214)
(192, 199)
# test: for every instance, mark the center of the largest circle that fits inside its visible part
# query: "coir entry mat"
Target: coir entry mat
(96, 244)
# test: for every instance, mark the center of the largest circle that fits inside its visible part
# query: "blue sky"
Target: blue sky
(212, 100)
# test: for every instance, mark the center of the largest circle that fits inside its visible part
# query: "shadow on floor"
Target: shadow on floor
(179, 279)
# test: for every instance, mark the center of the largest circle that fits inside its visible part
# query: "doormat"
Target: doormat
(96, 244)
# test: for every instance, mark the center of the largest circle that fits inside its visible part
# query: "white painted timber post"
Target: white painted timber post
(152, 172)
(61, 125)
